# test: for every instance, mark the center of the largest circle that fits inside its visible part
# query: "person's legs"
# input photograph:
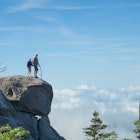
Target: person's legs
(35, 71)
(29, 71)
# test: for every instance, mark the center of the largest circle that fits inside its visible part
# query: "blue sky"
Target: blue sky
(82, 44)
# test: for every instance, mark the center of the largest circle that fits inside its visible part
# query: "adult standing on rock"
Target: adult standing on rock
(35, 63)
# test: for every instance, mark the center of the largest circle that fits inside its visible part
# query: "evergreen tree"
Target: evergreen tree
(137, 130)
(96, 131)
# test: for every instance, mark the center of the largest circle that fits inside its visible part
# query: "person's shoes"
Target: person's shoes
(36, 77)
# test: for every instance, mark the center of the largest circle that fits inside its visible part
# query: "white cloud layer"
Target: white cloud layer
(72, 110)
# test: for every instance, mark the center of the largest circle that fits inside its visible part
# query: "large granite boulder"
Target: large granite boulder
(31, 94)
(21, 100)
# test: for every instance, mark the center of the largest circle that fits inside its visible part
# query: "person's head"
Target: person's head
(36, 54)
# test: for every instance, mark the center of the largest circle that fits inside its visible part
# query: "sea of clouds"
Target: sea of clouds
(72, 110)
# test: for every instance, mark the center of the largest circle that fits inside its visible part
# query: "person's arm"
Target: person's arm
(38, 63)
(32, 61)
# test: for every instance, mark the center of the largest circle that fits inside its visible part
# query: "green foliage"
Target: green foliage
(9, 133)
(137, 130)
(96, 131)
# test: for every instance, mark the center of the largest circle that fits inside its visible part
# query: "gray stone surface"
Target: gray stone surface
(46, 132)
(21, 100)
(28, 94)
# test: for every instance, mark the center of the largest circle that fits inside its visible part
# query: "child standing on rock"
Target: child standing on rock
(29, 64)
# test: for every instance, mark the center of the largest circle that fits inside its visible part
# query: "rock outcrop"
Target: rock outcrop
(22, 99)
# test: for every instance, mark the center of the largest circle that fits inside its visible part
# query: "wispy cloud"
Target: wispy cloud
(43, 4)
(50, 19)
(23, 28)
(27, 4)
(136, 5)
(71, 7)
(82, 87)
(84, 45)
(62, 30)
(90, 7)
